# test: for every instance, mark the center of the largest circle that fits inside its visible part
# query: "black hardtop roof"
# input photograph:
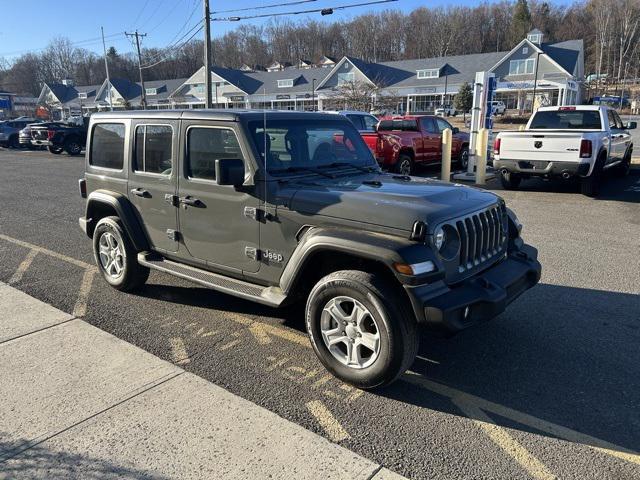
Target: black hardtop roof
(231, 115)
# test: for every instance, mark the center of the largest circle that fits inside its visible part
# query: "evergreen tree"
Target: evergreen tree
(464, 99)
(521, 21)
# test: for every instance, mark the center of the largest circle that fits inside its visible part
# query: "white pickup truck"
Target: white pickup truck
(567, 142)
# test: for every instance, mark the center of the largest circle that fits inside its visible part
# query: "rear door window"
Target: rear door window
(107, 146)
(205, 146)
(153, 149)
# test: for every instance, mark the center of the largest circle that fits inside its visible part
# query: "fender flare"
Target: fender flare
(125, 211)
(383, 248)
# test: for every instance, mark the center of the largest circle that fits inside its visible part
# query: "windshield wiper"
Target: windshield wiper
(370, 169)
(293, 169)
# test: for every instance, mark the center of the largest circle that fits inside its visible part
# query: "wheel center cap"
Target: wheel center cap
(351, 331)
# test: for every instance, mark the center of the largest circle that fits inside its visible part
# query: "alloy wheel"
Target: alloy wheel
(111, 255)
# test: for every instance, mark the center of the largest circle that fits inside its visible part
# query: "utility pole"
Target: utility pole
(207, 56)
(144, 93)
(106, 67)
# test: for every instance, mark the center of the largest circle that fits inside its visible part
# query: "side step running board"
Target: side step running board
(271, 296)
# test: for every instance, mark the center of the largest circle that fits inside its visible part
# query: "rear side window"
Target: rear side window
(357, 121)
(152, 153)
(205, 146)
(107, 146)
(566, 120)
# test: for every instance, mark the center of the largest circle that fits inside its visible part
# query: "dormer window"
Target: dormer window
(535, 38)
(286, 83)
(428, 73)
(82, 95)
(151, 91)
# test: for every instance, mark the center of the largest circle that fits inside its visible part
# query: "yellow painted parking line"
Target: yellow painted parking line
(258, 331)
(80, 308)
(327, 421)
(50, 253)
(506, 442)
(179, 351)
(24, 265)
(524, 418)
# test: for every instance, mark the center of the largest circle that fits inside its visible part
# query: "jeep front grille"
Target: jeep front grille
(482, 236)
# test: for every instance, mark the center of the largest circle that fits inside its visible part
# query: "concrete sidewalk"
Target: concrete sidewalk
(80, 403)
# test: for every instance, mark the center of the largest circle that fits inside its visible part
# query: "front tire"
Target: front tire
(509, 180)
(361, 328)
(116, 256)
(404, 165)
(73, 147)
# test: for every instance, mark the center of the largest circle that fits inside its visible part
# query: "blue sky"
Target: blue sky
(80, 20)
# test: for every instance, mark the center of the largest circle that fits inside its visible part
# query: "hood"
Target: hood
(388, 200)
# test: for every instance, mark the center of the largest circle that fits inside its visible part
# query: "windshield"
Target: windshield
(566, 120)
(296, 144)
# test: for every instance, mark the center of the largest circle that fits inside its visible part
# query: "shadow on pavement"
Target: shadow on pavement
(565, 355)
(42, 462)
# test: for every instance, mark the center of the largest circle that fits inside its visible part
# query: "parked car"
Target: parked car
(400, 143)
(498, 107)
(445, 111)
(569, 142)
(59, 137)
(363, 121)
(280, 207)
(10, 130)
(24, 136)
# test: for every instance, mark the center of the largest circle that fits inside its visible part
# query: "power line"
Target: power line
(164, 19)
(177, 48)
(140, 13)
(262, 7)
(176, 45)
(323, 11)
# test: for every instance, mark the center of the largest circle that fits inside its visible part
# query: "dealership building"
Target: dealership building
(555, 71)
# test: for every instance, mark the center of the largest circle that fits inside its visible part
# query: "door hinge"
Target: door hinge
(173, 235)
(171, 199)
(252, 252)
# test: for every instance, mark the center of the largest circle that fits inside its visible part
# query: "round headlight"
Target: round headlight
(440, 238)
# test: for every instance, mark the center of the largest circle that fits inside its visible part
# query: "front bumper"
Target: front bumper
(543, 168)
(450, 309)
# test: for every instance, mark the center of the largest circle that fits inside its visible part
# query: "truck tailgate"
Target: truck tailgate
(540, 145)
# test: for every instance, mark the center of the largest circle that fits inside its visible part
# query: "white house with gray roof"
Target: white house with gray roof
(554, 70)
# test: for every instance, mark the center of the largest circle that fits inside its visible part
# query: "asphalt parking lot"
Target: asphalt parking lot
(549, 389)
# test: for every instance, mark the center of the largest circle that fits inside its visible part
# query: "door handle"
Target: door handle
(140, 192)
(192, 202)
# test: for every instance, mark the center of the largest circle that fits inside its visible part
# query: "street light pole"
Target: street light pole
(207, 56)
(535, 84)
(313, 94)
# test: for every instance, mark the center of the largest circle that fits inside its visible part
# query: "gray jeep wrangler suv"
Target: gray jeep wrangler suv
(282, 206)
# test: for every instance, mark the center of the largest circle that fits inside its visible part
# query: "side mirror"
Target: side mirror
(632, 125)
(230, 171)
(455, 130)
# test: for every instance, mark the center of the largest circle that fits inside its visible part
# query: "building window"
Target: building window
(522, 67)
(429, 73)
(82, 95)
(286, 83)
(199, 88)
(346, 77)
(525, 50)
(534, 38)
(151, 91)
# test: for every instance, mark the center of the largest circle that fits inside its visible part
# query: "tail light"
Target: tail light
(50, 134)
(82, 186)
(496, 146)
(586, 149)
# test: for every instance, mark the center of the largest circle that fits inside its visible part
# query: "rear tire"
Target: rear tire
(463, 159)
(510, 181)
(622, 170)
(385, 322)
(116, 257)
(590, 186)
(404, 165)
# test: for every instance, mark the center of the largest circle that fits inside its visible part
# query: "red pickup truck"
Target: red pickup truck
(401, 143)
